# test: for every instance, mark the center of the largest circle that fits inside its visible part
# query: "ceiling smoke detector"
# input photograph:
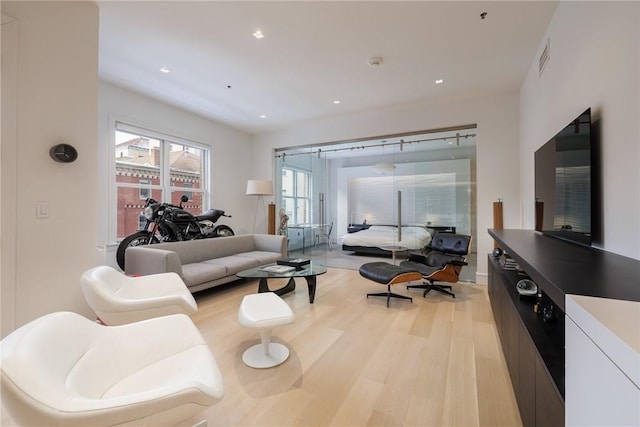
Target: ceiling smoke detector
(375, 61)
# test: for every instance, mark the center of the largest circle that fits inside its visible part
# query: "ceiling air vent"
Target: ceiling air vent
(544, 58)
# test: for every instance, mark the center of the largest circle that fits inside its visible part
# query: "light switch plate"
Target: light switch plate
(42, 209)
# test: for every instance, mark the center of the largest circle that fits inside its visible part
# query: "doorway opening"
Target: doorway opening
(356, 184)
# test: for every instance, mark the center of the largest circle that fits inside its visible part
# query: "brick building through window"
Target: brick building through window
(139, 174)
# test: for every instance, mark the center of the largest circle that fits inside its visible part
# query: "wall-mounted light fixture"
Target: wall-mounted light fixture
(384, 168)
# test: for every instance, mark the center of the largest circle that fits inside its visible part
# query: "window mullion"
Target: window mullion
(165, 170)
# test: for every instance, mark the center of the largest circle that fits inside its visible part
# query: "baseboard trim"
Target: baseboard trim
(482, 278)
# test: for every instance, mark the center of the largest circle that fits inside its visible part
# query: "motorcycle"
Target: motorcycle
(170, 223)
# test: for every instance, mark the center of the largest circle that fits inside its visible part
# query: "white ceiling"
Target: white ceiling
(314, 53)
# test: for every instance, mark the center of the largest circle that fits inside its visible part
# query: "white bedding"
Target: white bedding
(413, 237)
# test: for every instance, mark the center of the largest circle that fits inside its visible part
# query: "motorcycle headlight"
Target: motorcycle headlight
(148, 212)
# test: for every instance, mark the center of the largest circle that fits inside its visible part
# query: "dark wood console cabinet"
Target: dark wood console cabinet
(534, 349)
(540, 398)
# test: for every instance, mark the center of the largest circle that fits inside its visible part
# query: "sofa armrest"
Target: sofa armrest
(271, 243)
(145, 260)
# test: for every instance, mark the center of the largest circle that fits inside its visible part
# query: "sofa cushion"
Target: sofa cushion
(193, 251)
(190, 251)
(227, 246)
(200, 272)
(233, 264)
(262, 257)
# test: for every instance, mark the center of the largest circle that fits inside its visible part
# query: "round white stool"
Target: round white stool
(263, 312)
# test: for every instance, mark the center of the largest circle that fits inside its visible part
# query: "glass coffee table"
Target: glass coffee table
(309, 272)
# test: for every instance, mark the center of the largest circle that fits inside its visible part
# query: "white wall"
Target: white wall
(54, 100)
(497, 147)
(594, 62)
(230, 154)
(8, 171)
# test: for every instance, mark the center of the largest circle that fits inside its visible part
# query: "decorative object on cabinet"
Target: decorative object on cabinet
(284, 220)
(498, 218)
(527, 287)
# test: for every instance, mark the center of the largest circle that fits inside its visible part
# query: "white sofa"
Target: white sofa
(206, 263)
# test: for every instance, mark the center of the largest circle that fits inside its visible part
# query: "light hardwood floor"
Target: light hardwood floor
(355, 362)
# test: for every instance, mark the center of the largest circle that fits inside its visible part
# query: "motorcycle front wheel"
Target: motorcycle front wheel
(135, 239)
(224, 231)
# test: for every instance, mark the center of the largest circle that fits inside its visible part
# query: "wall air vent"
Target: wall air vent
(544, 58)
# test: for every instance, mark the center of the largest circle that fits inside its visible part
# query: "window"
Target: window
(189, 194)
(145, 191)
(142, 221)
(150, 164)
(296, 190)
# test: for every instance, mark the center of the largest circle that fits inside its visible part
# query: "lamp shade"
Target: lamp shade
(259, 187)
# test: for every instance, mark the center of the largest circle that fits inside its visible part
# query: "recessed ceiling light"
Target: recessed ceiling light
(263, 116)
(439, 81)
(337, 101)
(258, 34)
(164, 70)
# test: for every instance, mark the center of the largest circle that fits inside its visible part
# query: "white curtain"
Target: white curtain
(426, 199)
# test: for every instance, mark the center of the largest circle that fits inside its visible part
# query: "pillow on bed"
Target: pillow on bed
(414, 229)
(382, 228)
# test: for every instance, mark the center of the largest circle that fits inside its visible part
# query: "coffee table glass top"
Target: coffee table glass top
(312, 269)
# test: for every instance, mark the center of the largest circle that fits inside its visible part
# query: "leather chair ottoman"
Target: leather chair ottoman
(388, 274)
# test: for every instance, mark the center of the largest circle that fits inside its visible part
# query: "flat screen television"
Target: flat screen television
(563, 183)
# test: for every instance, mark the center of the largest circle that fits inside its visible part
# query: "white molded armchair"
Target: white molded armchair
(65, 370)
(118, 299)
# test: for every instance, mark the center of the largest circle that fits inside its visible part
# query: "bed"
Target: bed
(369, 241)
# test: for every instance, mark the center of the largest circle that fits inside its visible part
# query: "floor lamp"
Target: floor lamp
(260, 188)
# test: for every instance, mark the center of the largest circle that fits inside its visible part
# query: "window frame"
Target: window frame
(144, 189)
(294, 220)
(165, 185)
